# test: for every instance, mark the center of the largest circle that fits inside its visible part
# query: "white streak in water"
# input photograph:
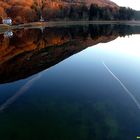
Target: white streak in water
(21, 91)
(123, 86)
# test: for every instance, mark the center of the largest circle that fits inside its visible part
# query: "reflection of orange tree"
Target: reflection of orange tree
(27, 41)
(31, 51)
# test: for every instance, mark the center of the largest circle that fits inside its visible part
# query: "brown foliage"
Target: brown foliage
(22, 11)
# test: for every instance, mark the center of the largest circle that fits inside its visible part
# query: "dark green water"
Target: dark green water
(74, 83)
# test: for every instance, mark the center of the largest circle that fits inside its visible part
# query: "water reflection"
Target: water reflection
(31, 51)
(123, 86)
(82, 98)
(20, 92)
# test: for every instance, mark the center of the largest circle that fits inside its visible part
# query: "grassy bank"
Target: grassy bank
(62, 23)
(4, 27)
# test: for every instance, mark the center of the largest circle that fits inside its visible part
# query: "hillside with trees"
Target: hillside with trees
(53, 10)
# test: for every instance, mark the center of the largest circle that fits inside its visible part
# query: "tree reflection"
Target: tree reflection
(31, 51)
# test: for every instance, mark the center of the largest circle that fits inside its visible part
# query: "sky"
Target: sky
(135, 4)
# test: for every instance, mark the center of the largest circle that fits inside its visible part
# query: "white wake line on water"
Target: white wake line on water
(20, 92)
(123, 86)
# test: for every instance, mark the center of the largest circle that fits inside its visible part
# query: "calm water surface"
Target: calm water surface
(70, 83)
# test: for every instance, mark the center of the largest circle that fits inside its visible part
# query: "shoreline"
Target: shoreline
(4, 27)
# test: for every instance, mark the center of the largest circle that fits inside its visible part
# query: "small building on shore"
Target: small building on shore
(7, 21)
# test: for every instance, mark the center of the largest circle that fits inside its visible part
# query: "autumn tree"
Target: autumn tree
(38, 6)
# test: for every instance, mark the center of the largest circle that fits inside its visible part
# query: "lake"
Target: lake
(70, 83)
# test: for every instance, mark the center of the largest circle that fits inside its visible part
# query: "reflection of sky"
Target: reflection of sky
(125, 46)
(123, 58)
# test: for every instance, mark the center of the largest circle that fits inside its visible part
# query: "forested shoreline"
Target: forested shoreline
(83, 12)
(33, 12)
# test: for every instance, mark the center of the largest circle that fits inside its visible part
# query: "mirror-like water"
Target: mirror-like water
(71, 83)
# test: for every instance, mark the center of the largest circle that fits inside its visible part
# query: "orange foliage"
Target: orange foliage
(22, 11)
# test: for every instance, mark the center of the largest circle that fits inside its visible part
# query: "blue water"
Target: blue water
(77, 99)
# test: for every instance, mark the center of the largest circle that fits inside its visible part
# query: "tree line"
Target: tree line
(82, 12)
(108, 13)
